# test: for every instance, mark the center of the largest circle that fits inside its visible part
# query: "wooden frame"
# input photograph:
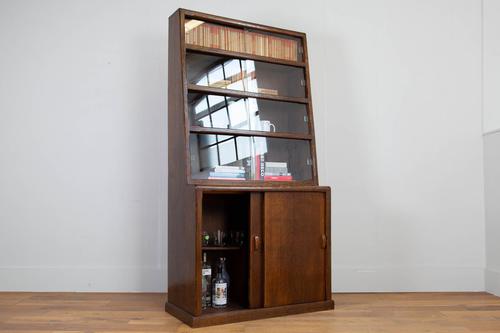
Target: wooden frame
(187, 195)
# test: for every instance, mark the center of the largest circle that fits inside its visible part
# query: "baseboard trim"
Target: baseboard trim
(83, 279)
(407, 279)
(492, 281)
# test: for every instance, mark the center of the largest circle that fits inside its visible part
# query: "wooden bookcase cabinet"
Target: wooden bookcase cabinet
(283, 266)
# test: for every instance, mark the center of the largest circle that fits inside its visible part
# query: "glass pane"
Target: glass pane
(253, 114)
(249, 158)
(245, 75)
(244, 41)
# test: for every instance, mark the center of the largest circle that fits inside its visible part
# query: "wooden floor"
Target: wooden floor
(113, 313)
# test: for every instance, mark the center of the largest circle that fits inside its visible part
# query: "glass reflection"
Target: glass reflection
(245, 75)
(227, 112)
(227, 157)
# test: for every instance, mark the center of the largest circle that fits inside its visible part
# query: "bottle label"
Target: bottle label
(220, 296)
(206, 271)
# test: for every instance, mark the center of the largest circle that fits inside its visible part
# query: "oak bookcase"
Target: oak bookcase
(242, 156)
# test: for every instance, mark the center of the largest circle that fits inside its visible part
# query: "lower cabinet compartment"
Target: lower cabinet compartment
(224, 234)
(275, 248)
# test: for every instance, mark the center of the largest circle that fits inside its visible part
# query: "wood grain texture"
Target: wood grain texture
(182, 283)
(130, 312)
(256, 258)
(294, 252)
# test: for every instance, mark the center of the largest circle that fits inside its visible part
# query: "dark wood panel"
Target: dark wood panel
(234, 314)
(239, 55)
(236, 93)
(256, 269)
(250, 183)
(182, 284)
(226, 131)
(294, 250)
(231, 189)
(310, 114)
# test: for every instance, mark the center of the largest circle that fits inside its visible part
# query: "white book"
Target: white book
(276, 164)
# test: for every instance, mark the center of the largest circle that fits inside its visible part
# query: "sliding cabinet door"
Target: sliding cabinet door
(295, 247)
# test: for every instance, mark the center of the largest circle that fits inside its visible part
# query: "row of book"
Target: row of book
(230, 39)
(272, 171)
(227, 172)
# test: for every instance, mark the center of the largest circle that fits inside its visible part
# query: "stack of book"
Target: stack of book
(227, 172)
(277, 171)
(237, 40)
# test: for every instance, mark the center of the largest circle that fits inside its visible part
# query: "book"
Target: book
(229, 168)
(259, 167)
(267, 91)
(278, 178)
(226, 174)
(276, 169)
(276, 164)
(237, 40)
(227, 178)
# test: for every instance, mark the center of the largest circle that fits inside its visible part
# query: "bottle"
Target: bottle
(220, 285)
(222, 261)
(206, 279)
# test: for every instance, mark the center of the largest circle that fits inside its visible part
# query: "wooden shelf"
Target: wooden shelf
(251, 183)
(220, 248)
(227, 131)
(241, 55)
(245, 94)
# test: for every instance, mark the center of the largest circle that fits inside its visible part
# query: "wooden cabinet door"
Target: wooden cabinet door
(295, 247)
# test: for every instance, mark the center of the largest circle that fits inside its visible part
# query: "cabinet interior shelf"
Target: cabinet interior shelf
(245, 94)
(240, 55)
(227, 131)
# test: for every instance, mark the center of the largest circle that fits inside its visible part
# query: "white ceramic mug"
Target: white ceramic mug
(267, 126)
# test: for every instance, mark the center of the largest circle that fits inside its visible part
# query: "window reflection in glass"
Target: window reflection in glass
(245, 75)
(228, 112)
(255, 158)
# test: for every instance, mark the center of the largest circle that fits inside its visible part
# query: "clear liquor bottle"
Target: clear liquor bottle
(220, 287)
(206, 280)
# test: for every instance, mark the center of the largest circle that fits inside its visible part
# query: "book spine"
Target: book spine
(278, 178)
(226, 178)
(227, 174)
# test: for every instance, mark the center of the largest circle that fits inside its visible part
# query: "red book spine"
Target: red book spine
(278, 178)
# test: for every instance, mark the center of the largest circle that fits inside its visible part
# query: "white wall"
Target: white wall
(491, 65)
(491, 126)
(404, 144)
(396, 89)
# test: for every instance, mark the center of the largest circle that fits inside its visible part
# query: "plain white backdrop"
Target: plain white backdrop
(398, 93)
(492, 142)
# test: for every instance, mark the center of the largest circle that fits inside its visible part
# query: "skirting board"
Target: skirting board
(73, 279)
(345, 279)
(410, 279)
(492, 280)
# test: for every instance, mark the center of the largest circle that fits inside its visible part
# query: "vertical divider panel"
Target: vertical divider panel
(256, 248)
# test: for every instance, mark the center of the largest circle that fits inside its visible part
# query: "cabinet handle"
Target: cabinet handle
(256, 243)
(323, 241)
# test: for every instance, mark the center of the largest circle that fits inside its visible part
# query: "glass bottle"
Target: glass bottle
(206, 279)
(220, 287)
(222, 261)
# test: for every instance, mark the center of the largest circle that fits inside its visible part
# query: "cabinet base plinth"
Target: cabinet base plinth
(233, 316)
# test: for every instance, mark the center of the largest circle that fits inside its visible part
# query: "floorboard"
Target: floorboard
(368, 313)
